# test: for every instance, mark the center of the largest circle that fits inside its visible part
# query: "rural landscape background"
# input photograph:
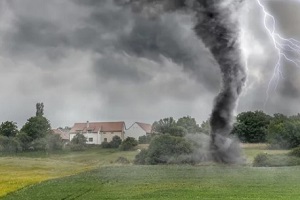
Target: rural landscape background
(160, 64)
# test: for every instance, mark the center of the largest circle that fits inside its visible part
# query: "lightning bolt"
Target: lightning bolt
(288, 49)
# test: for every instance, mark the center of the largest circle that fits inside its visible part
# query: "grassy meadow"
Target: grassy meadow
(97, 176)
(26, 169)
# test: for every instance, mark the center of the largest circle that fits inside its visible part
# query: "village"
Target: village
(99, 132)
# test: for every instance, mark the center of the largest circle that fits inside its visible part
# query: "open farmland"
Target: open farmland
(29, 168)
(171, 182)
(99, 177)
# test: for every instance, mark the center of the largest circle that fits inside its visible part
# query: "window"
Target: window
(105, 139)
(90, 139)
(112, 132)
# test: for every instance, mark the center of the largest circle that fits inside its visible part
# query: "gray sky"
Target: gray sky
(98, 61)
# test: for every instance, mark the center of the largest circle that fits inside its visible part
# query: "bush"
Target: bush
(122, 160)
(140, 158)
(115, 143)
(105, 145)
(295, 152)
(54, 142)
(261, 160)
(9, 145)
(266, 160)
(128, 144)
(145, 139)
(166, 149)
(78, 143)
(25, 140)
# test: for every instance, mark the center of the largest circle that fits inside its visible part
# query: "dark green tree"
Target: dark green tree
(252, 126)
(39, 109)
(284, 132)
(189, 124)
(8, 129)
(164, 125)
(37, 127)
(78, 143)
(168, 126)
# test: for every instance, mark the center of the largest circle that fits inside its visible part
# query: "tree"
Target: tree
(252, 126)
(39, 109)
(8, 129)
(205, 127)
(128, 144)
(36, 127)
(78, 143)
(189, 124)
(164, 125)
(168, 126)
(284, 132)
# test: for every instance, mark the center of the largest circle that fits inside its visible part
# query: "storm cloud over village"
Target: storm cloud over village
(99, 61)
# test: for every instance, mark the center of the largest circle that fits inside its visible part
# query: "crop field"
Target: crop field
(29, 168)
(97, 176)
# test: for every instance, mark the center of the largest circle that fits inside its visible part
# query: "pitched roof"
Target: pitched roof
(64, 135)
(96, 126)
(145, 127)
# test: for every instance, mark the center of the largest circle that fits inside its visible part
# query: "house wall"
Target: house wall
(109, 135)
(134, 131)
(96, 138)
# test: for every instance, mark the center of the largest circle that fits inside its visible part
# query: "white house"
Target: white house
(138, 129)
(98, 132)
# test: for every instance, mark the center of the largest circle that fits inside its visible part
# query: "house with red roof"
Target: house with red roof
(98, 132)
(138, 129)
(65, 135)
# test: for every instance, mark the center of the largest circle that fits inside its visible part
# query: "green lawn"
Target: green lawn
(170, 182)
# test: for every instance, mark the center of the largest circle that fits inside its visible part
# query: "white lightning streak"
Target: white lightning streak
(287, 48)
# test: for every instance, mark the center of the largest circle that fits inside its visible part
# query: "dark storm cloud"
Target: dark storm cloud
(97, 59)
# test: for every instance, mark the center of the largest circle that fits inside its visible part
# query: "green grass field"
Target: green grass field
(97, 177)
(171, 182)
(26, 169)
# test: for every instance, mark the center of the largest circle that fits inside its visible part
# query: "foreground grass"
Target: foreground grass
(26, 169)
(171, 182)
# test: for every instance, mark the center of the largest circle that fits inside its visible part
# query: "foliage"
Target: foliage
(9, 144)
(122, 160)
(165, 149)
(54, 142)
(251, 127)
(78, 143)
(25, 140)
(140, 159)
(115, 142)
(189, 124)
(164, 125)
(8, 129)
(169, 126)
(39, 109)
(284, 133)
(205, 127)
(268, 160)
(145, 139)
(128, 144)
(295, 152)
(36, 127)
